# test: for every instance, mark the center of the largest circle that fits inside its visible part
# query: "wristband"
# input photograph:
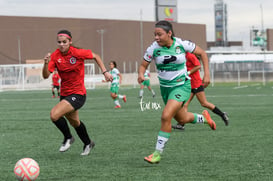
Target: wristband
(104, 72)
(189, 72)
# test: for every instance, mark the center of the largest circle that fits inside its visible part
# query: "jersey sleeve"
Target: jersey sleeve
(84, 54)
(188, 45)
(148, 55)
(117, 71)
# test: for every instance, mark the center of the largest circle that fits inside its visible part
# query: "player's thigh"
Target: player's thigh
(60, 110)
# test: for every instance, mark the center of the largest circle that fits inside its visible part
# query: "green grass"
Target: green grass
(241, 151)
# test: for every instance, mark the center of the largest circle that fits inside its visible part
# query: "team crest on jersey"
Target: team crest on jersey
(177, 50)
(73, 60)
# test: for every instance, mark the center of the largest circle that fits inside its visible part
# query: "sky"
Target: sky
(243, 15)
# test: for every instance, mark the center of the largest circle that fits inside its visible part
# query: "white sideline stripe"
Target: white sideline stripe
(253, 85)
(240, 87)
(95, 98)
(245, 86)
(247, 95)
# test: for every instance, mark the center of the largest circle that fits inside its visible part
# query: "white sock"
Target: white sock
(120, 96)
(161, 141)
(153, 92)
(200, 118)
(141, 93)
(116, 102)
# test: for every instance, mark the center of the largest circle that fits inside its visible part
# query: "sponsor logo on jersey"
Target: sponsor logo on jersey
(179, 80)
(169, 59)
(73, 60)
(59, 60)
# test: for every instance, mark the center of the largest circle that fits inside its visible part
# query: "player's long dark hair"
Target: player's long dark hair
(166, 26)
(115, 64)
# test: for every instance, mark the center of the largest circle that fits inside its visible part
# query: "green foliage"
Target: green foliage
(241, 151)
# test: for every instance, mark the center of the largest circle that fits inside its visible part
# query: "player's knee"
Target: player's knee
(114, 96)
(54, 117)
(204, 104)
(165, 118)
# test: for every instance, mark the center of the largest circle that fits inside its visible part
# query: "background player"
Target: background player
(146, 83)
(197, 88)
(55, 83)
(114, 89)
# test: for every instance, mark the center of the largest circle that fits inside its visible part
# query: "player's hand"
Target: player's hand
(108, 76)
(206, 81)
(47, 58)
(140, 79)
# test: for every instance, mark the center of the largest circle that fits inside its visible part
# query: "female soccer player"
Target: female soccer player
(197, 88)
(117, 78)
(146, 83)
(55, 83)
(69, 62)
(169, 52)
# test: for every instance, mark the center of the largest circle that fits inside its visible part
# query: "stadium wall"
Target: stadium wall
(269, 34)
(30, 38)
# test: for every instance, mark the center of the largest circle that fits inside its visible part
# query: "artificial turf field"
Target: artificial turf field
(241, 151)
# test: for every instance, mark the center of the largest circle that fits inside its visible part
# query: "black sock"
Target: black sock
(63, 127)
(218, 111)
(82, 133)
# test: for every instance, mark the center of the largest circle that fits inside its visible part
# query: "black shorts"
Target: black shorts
(76, 100)
(196, 90)
(56, 86)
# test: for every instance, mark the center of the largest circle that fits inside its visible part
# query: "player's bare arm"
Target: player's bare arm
(46, 72)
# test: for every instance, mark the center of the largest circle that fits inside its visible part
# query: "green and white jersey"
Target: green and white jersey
(146, 75)
(114, 72)
(170, 62)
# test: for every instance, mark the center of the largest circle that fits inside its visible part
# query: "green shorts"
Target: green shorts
(146, 83)
(179, 93)
(114, 89)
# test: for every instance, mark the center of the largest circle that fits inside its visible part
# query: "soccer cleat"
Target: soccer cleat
(124, 98)
(225, 118)
(53, 96)
(178, 126)
(66, 144)
(208, 119)
(117, 106)
(153, 158)
(153, 95)
(88, 148)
